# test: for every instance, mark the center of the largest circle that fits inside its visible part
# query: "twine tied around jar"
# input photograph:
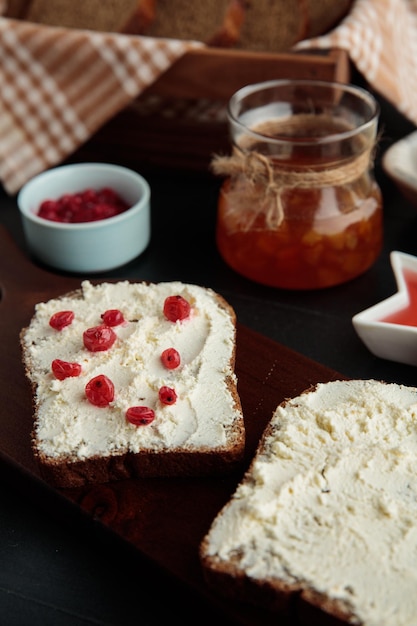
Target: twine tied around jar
(261, 172)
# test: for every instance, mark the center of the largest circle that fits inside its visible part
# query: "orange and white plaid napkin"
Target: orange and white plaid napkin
(58, 86)
(380, 37)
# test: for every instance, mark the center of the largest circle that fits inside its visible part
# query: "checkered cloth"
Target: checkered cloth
(58, 86)
(380, 37)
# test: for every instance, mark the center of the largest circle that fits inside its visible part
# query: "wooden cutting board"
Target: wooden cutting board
(165, 519)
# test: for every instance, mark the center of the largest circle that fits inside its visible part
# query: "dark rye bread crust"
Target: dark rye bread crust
(307, 606)
(71, 472)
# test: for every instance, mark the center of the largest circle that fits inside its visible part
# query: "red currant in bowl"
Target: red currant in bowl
(95, 217)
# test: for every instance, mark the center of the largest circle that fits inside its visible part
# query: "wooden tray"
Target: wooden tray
(215, 74)
(176, 133)
(164, 519)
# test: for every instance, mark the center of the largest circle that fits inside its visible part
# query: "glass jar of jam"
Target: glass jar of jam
(299, 207)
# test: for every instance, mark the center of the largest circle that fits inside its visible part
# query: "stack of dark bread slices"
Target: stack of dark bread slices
(264, 25)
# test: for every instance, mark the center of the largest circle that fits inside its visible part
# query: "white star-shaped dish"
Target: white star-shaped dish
(392, 341)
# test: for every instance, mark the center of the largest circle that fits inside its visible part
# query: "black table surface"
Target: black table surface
(58, 572)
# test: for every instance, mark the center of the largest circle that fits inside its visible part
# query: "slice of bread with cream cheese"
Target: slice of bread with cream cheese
(159, 417)
(325, 517)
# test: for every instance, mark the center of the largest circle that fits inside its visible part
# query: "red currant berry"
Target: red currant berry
(176, 308)
(61, 319)
(99, 338)
(49, 210)
(167, 395)
(100, 390)
(109, 196)
(88, 196)
(113, 317)
(140, 415)
(64, 369)
(171, 358)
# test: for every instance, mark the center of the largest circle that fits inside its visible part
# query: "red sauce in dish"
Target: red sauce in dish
(408, 315)
(89, 205)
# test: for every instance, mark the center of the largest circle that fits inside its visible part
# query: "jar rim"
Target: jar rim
(361, 95)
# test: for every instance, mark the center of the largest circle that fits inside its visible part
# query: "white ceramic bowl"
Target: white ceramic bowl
(87, 247)
(399, 162)
(395, 342)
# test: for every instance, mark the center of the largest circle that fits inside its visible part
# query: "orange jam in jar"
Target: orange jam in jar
(299, 208)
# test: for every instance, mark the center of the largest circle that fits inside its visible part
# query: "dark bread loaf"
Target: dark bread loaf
(99, 15)
(276, 26)
(213, 22)
(271, 26)
(198, 433)
(323, 522)
(323, 15)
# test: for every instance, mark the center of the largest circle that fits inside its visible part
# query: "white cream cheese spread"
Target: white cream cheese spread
(331, 502)
(69, 425)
